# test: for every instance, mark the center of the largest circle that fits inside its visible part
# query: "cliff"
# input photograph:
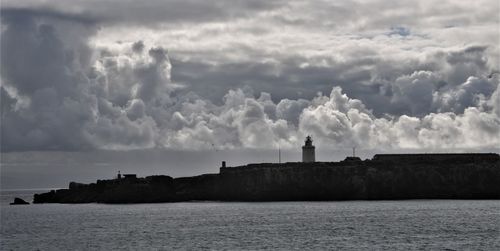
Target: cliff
(389, 178)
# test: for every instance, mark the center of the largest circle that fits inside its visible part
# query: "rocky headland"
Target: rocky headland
(385, 177)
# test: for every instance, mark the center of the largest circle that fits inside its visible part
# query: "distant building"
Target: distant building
(308, 154)
(130, 176)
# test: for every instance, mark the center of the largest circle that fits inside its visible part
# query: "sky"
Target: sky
(174, 87)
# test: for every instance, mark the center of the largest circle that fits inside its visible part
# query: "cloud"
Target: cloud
(358, 127)
(154, 12)
(83, 79)
(45, 80)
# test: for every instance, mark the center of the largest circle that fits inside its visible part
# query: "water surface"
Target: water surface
(354, 225)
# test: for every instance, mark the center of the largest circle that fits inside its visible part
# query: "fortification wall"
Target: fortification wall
(452, 157)
(393, 158)
(287, 165)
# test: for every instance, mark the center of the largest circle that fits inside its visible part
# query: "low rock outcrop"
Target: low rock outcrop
(19, 201)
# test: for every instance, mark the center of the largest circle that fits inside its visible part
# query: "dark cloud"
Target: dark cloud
(138, 47)
(20, 15)
(155, 12)
(386, 86)
(287, 79)
(45, 79)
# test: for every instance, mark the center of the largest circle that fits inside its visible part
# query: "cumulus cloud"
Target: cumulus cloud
(78, 81)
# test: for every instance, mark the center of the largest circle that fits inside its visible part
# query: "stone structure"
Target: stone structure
(433, 157)
(308, 154)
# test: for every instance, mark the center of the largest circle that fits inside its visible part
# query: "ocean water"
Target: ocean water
(350, 225)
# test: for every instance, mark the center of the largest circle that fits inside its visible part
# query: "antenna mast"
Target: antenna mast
(279, 153)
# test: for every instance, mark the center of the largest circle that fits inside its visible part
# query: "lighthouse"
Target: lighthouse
(308, 154)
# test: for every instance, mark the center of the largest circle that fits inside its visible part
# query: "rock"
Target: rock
(19, 201)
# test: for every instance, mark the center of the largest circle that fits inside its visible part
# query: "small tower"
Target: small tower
(308, 154)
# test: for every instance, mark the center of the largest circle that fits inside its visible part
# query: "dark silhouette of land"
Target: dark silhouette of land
(385, 177)
(19, 201)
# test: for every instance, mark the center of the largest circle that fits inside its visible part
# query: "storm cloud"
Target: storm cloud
(248, 75)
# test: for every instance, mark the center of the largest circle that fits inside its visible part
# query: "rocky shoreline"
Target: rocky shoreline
(351, 179)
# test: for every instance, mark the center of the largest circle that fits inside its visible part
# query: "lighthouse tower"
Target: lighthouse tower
(308, 154)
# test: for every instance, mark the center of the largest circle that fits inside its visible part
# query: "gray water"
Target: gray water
(355, 225)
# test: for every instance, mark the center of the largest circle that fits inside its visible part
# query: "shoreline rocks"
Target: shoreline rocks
(19, 201)
(317, 181)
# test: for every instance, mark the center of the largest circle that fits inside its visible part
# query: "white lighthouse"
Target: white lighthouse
(308, 154)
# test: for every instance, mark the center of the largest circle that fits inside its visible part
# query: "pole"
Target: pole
(279, 154)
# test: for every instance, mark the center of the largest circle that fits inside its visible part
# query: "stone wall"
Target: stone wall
(452, 157)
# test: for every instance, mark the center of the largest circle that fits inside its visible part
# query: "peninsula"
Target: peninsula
(384, 177)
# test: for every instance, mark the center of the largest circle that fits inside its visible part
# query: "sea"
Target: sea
(207, 225)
